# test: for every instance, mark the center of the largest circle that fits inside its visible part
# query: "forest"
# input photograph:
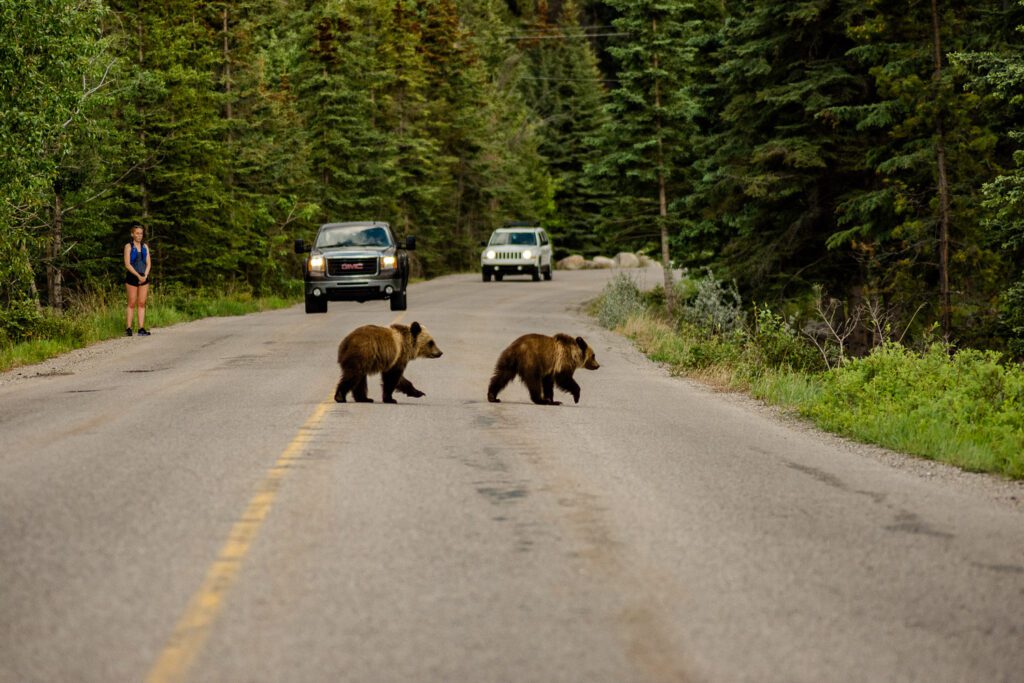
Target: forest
(862, 151)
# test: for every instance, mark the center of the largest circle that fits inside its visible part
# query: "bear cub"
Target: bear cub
(370, 349)
(542, 362)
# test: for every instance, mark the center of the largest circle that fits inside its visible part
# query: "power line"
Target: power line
(564, 36)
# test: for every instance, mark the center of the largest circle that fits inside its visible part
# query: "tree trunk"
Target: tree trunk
(666, 260)
(943, 181)
(228, 111)
(54, 274)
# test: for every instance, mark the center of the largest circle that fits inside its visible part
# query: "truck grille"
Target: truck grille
(352, 266)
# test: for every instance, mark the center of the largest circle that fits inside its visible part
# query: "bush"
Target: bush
(966, 409)
(715, 306)
(620, 299)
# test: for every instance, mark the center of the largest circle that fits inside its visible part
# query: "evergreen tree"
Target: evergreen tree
(650, 115)
(931, 147)
(565, 90)
(772, 167)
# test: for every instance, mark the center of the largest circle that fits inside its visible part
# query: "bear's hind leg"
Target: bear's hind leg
(503, 374)
(359, 391)
(548, 383)
(344, 386)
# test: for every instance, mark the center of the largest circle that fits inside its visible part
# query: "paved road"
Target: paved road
(193, 506)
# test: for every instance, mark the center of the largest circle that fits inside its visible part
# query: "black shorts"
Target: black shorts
(130, 279)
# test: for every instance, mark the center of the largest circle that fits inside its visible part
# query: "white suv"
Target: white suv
(517, 249)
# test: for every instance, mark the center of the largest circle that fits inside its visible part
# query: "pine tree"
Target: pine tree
(565, 90)
(650, 115)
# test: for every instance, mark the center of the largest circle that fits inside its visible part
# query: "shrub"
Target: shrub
(620, 299)
(715, 306)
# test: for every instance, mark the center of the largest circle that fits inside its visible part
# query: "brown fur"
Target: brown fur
(542, 362)
(373, 349)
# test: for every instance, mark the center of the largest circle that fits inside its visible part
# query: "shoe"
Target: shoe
(128, 331)
(143, 332)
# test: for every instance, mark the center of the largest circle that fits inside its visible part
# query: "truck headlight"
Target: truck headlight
(491, 254)
(527, 254)
(316, 263)
(387, 262)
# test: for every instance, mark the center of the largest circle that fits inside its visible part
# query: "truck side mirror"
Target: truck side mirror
(301, 248)
(410, 243)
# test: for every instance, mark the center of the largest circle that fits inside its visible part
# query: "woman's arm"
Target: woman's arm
(127, 259)
(145, 276)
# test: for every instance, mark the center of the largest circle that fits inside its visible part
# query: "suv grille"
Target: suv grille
(509, 255)
(352, 266)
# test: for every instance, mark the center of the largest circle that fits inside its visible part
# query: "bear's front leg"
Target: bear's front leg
(567, 383)
(390, 379)
(548, 384)
(405, 386)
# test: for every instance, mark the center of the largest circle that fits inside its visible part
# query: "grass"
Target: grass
(102, 316)
(964, 408)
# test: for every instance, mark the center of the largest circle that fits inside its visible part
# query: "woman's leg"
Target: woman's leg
(133, 294)
(143, 292)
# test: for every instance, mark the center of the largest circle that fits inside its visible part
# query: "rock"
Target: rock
(645, 260)
(572, 262)
(603, 262)
(624, 259)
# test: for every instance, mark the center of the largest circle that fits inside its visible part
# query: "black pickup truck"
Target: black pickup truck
(356, 261)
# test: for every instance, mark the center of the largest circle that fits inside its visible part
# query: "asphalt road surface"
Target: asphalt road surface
(194, 506)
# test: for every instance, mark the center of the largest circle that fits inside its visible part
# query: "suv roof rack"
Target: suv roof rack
(521, 224)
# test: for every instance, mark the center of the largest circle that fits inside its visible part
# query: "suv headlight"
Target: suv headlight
(316, 263)
(491, 254)
(527, 254)
(388, 262)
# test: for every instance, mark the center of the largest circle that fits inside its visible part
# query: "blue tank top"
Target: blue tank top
(138, 259)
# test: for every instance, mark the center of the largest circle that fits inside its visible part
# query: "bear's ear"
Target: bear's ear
(580, 343)
(415, 329)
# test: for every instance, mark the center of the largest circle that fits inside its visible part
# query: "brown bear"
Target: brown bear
(370, 349)
(542, 362)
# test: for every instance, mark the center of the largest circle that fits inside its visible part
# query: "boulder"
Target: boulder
(603, 262)
(645, 260)
(573, 262)
(624, 259)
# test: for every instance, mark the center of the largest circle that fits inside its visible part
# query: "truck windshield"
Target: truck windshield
(524, 238)
(353, 236)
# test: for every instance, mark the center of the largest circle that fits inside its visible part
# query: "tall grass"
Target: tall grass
(101, 315)
(964, 408)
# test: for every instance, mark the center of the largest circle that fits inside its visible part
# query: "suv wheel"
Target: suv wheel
(315, 304)
(487, 276)
(536, 275)
(399, 301)
(547, 272)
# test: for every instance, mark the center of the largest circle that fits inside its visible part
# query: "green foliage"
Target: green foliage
(963, 408)
(620, 299)
(715, 306)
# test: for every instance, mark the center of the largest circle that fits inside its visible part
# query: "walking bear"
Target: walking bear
(370, 349)
(542, 362)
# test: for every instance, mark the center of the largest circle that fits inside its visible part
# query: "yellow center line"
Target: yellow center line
(192, 630)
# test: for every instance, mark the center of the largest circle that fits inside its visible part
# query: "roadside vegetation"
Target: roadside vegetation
(960, 406)
(42, 334)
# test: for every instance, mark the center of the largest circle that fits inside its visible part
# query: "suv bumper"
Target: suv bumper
(511, 268)
(354, 290)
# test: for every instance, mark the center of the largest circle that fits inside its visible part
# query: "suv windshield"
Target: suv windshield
(525, 238)
(353, 236)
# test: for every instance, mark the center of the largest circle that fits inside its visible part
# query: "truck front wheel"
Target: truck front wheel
(399, 301)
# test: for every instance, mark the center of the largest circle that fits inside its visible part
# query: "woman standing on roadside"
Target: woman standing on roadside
(136, 280)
